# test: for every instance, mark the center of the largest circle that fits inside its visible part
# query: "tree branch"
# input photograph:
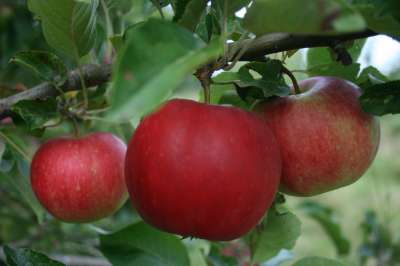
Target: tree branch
(279, 42)
(255, 49)
(92, 74)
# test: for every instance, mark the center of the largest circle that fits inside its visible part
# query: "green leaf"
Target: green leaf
(323, 56)
(381, 99)
(316, 261)
(157, 57)
(380, 16)
(325, 216)
(302, 17)
(37, 113)
(336, 69)
(47, 66)
(27, 257)
(279, 231)
(2, 149)
(260, 80)
(370, 76)
(188, 12)
(68, 25)
(198, 249)
(140, 244)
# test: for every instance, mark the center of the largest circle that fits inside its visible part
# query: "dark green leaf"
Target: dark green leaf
(157, 57)
(323, 56)
(381, 16)
(68, 25)
(370, 76)
(325, 216)
(278, 231)
(47, 66)
(140, 244)
(233, 5)
(381, 99)
(188, 12)
(7, 159)
(302, 16)
(260, 80)
(27, 257)
(117, 42)
(37, 113)
(2, 149)
(316, 261)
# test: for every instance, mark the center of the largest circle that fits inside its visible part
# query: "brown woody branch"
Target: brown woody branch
(93, 75)
(255, 49)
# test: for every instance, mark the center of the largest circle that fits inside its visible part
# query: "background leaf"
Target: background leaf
(325, 216)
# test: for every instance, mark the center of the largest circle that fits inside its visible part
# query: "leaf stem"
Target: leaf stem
(110, 29)
(82, 81)
(16, 147)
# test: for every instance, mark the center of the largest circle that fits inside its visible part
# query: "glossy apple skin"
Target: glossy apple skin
(202, 170)
(327, 141)
(80, 180)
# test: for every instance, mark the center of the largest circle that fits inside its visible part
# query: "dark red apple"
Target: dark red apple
(203, 171)
(80, 179)
(326, 139)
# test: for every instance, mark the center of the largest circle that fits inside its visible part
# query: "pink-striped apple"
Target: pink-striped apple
(80, 179)
(327, 141)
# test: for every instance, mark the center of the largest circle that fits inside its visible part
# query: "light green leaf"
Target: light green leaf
(157, 57)
(27, 257)
(336, 69)
(68, 25)
(279, 231)
(302, 17)
(140, 244)
(316, 261)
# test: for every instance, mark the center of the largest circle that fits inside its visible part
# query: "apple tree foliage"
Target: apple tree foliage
(156, 49)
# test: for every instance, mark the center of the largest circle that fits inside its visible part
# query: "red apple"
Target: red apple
(201, 170)
(80, 179)
(326, 139)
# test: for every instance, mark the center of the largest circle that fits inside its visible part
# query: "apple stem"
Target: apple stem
(293, 79)
(204, 76)
(75, 127)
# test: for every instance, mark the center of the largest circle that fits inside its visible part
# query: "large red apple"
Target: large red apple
(80, 179)
(326, 139)
(201, 170)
